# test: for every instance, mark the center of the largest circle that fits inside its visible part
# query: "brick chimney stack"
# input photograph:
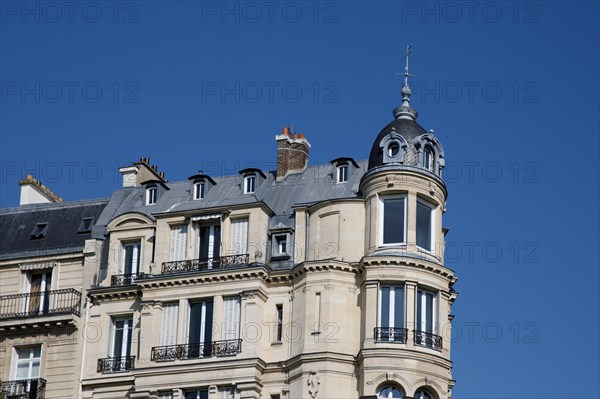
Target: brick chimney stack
(292, 153)
(140, 172)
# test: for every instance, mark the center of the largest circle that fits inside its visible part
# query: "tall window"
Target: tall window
(239, 235)
(428, 158)
(279, 332)
(38, 286)
(424, 225)
(226, 393)
(178, 242)
(426, 311)
(200, 328)
(390, 392)
(208, 241)
(196, 394)
(168, 333)
(130, 258)
(151, 195)
(121, 333)
(231, 318)
(394, 220)
(342, 173)
(391, 314)
(199, 190)
(249, 184)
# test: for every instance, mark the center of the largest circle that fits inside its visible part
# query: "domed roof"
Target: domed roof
(408, 129)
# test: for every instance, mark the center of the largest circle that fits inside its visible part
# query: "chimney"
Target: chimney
(139, 172)
(292, 153)
(34, 192)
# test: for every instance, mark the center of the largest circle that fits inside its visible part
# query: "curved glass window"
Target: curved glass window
(393, 149)
(390, 392)
(421, 394)
(428, 159)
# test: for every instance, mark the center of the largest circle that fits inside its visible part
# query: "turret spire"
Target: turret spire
(405, 111)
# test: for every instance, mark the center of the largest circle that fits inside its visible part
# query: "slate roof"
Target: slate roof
(61, 234)
(316, 184)
(408, 129)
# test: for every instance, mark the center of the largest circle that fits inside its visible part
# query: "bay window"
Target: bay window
(425, 225)
(391, 314)
(393, 220)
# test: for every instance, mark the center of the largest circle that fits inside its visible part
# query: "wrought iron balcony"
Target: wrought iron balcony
(428, 340)
(23, 389)
(46, 303)
(116, 364)
(195, 351)
(390, 334)
(125, 279)
(197, 265)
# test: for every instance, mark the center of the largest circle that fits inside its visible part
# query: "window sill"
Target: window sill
(276, 343)
(280, 257)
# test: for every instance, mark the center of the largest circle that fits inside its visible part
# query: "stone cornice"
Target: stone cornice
(192, 278)
(430, 267)
(404, 353)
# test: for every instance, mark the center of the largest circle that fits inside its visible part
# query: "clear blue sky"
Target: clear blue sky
(510, 88)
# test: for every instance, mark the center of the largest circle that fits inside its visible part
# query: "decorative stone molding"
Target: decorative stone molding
(313, 383)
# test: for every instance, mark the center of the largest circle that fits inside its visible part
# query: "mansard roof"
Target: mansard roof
(61, 235)
(316, 184)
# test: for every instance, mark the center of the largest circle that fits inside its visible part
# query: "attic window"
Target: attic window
(393, 149)
(151, 195)
(86, 225)
(249, 184)
(39, 231)
(199, 190)
(342, 173)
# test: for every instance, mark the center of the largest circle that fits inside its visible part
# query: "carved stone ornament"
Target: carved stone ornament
(313, 383)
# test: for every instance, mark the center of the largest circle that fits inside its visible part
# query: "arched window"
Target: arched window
(421, 394)
(393, 149)
(390, 392)
(428, 158)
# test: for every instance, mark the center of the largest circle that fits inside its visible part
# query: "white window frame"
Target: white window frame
(382, 200)
(342, 173)
(392, 305)
(239, 245)
(199, 190)
(123, 257)
(30, 360)
(43, 290)
(390, 395)
(432, 207)
(250, 184)
(151, 195)
(276, 244)
(423, 291)
(430, 166)
(126, 350)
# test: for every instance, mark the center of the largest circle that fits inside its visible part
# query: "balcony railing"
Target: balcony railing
(116, 364)
(428, 340)
(46, 303)
(196, 265)
(390, 334)
(125, 279)
(194, 351)
(24, 389)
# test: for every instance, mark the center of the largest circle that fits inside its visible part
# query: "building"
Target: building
(45, 266)
(305, 282)
(323, 281)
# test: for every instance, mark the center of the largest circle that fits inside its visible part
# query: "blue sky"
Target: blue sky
(510, 88)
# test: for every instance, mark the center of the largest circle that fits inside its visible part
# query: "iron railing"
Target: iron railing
(428, 339)
(390, 334)
(44, 303)
(116, 364)
(196, 265)
(125, 279)
(24, 389)
(194, 351)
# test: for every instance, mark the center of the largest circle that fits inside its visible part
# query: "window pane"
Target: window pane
(393, 221)
(423, 226)
(385, 307)
(399, 307)
(429, 312)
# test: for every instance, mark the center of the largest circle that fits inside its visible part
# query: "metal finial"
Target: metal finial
(406, 75)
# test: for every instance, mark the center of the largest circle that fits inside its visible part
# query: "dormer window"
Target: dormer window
(151, 194)
(428, 158)
(85, 226)
(280, 245)
(249, 184)
(393, 149)
(39, 231)
(199, 189)
(342, 173)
